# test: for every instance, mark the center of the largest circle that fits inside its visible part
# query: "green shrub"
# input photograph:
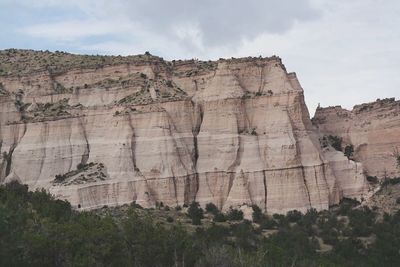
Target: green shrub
(258, 215)
(234, 215)
(361, 221)
(372, 179)
(294, 216)
(335, 142)
(211, 208)
(135, 205)
(281, 220)
(219, 217)
(348, 151)
(330, 236)
(391, 181)
(346, 205)
(195, 213)
(60, 178)
(268, 223)
(170, 219)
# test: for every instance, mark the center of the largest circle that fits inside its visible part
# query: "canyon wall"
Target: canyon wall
(373, 129)
(143, 129)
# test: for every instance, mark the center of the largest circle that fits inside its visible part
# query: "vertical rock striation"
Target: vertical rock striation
(373, 129)
(230, 132)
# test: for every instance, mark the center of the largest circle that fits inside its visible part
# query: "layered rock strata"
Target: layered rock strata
(230, 132)
(373, 129)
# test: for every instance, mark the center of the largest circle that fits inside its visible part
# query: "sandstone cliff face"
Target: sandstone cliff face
(373, 129)
(231, 132)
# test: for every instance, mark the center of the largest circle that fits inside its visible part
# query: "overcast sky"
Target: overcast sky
(344, 52)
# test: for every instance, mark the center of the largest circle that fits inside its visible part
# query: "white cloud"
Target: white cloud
(74, 30)
(351, 55)
(345, 52)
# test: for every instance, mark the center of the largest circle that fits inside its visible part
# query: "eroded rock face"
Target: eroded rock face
(231, 132)
(373, 129)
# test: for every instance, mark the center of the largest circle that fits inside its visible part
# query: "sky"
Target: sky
(345, 52)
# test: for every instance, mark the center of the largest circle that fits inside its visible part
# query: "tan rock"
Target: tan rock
(373, 129)
(240, 133)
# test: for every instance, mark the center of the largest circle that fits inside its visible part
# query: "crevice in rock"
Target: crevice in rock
(265, 191)
(196, 152)
(11, 151)
(208, 185)
(305, 185)
(195, 132)
(8, 156)
(133, 138)
(316, 184)
(178, 152)
(187, 197)
(9, 159)
(261, 87)
(239, 151)
(4, 160)
(230, 183)
(242, 87)
(86, 154)
(175, 187)
(330, 190)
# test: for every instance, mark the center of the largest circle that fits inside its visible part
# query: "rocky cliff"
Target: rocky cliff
(99, 130)
(371, 129)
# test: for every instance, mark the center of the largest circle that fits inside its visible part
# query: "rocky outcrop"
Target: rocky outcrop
(229, 132)
(372, 129)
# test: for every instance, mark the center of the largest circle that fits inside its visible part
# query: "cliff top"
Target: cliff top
(24, 61)
(379, 103)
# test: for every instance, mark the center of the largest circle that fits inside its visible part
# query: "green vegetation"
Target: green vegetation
(84, 173)
(249, 94)
(258, 215)
(335, 142)
(37, 230)
(20, 62)
(48, 110)
(372, 179)
(195, 213)
(219, 217)
(348, 151)
(234, 215)
(164, 90)
(133, 80)
(141, 97)
(391, 181)
(211, 208)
